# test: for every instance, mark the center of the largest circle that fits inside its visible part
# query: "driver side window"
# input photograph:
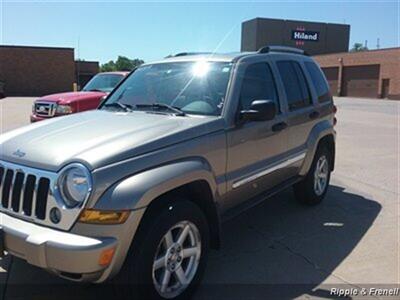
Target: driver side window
(258, 84)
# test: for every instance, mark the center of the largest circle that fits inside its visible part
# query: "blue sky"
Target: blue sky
(152, 30)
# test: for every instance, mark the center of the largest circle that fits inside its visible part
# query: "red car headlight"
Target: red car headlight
(63, 109)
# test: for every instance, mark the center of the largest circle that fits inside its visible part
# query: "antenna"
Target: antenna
(77, 63)
(78, 47)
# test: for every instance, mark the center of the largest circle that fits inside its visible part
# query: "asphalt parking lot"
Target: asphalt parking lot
(280, 248)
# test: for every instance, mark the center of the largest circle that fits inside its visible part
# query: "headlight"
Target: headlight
(75, 184)
(63, 109)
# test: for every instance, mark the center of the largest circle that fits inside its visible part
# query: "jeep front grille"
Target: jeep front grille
(24, 193)
(45, 109)
(30, 194)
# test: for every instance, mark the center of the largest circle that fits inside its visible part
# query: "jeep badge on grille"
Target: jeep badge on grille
(19, 153)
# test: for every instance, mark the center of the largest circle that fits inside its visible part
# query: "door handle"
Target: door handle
(313, 115)
(279, 126)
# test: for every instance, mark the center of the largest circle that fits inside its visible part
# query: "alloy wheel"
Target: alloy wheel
(177, 259)
(321, 173)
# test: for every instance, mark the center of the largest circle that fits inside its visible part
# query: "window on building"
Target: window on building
(295, 84)
(320, 84)
(258, 84)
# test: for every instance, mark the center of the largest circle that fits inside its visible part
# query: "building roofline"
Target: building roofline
(291, 20)
(358, 52)
(37, 47)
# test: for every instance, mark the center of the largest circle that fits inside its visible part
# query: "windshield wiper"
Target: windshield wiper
(125, 107)
(175, 109)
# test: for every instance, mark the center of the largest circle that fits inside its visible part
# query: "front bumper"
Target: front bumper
(36, 118)
(66, 254)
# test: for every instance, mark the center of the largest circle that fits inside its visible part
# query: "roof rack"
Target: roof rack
(191, 53)
(284, 49)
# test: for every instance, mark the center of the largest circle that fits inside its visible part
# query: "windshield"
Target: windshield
(103, 82)
(196, 87)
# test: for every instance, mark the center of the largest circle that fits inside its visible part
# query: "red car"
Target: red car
(72, 102)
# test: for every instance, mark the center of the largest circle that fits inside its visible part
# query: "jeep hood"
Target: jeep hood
(98, 138)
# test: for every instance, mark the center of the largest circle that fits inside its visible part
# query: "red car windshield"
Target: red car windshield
(103, 83)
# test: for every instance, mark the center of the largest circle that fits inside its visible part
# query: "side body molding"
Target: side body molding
(319, 131)
(138, 190)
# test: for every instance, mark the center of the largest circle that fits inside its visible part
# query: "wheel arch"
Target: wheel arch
(158, 187)
(321, 134)
(198, 192)
(328, 141)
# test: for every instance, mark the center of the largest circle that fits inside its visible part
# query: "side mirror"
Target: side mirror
(260, 110)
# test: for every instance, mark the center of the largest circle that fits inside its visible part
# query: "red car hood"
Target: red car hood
(71, 96)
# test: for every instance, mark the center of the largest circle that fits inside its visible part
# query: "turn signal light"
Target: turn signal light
(107, 217)
(106, 257)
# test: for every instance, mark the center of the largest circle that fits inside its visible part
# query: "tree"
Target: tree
(357, 47)
(108, 67)
(122, 63)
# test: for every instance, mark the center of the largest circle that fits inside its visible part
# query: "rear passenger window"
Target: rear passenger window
(321, 86)
(295, 85)
(258, 84)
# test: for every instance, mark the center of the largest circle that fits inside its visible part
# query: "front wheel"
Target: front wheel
(170, 258)
(312, 189)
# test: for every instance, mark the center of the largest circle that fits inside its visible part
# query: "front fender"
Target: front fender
(138, 190)
(319, 131)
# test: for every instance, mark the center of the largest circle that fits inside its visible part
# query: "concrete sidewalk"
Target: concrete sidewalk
(15, 112)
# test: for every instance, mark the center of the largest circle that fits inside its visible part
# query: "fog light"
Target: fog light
(106, 257)
(55, 215)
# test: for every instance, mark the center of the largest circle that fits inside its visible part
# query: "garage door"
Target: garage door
(332, 74)
(361, 81)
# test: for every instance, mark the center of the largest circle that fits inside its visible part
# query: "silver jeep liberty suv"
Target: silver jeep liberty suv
(136, 190)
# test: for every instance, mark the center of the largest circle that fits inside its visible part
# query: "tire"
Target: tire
(138, 280)
(307, 191)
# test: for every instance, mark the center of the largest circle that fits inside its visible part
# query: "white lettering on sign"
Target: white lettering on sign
(305, 35)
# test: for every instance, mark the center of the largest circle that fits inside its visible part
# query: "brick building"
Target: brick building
(36, 71)
(372, 74)
(85, 70)
(313, 37)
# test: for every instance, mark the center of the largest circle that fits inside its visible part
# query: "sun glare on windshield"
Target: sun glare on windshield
(200, 68)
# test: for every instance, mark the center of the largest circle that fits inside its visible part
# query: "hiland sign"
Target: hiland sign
(312, 36)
